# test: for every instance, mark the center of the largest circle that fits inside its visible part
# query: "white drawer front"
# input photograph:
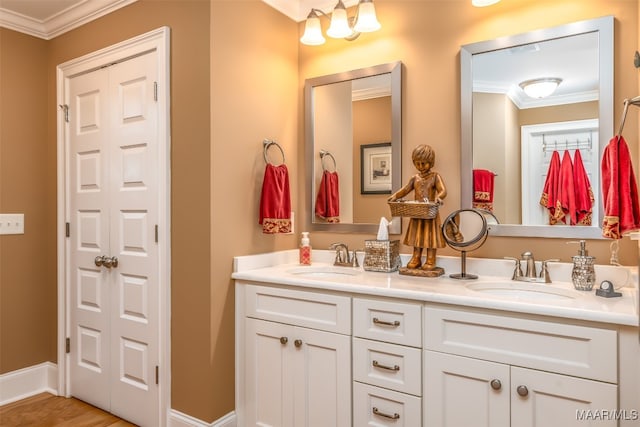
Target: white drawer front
(569, 349)
(394, 322)
(373, 406)
(310, 309)
(388, 365)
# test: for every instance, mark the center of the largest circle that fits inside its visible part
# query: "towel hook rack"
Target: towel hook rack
(633, 101)
(325, 153)
(268, 143)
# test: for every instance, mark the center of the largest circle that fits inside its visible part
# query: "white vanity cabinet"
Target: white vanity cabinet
(482, 369)
(295, 356)
(387, 362)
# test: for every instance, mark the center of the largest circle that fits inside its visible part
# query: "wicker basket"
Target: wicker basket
(424, 210)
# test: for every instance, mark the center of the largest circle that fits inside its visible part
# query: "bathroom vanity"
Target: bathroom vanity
(337, 346)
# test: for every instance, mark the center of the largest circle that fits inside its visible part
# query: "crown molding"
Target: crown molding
(299, 9)
(66, 20)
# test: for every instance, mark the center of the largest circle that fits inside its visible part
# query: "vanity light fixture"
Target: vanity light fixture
(341, 25)
(540, 88)
(483, 3)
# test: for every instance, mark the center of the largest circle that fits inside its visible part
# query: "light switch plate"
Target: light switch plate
(11, 223)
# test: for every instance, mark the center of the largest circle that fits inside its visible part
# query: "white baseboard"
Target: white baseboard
(178, 419)
(43, 378)
(27, 382)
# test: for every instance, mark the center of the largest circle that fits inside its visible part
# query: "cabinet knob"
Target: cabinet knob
(297, 343)
(284, 340)
(496, 384)
(522, 390)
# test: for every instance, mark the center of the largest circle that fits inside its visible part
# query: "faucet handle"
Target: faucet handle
(544, 271)
(517, 272)
(355, 262)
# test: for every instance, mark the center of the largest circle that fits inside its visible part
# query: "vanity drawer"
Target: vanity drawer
(374, 406)
(388, 365)
(326, 312)
(556, 347)
(394, 322)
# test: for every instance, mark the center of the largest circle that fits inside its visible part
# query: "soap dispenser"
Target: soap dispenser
(305, 249)
(583, 274)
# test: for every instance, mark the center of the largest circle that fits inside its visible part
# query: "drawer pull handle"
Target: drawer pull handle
(522, 390)
(395, 323)
(284, 340)
(395, 416)
(388, 368)
(496, 384)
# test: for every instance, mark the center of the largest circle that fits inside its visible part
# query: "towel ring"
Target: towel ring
(268, 143)
(325, 153)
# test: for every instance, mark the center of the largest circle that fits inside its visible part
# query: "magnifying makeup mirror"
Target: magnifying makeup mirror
(465, 230)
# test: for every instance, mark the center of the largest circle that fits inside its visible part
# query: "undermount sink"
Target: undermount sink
(323, 272)
(521, 290)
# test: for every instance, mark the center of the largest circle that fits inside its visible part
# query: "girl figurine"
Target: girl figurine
(427, 185)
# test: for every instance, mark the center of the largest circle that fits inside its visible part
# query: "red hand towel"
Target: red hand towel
(566, 190)
(583, 191)
(619, 190)
(483, 189)
(275, 200)
(549, 198)
(328, 199)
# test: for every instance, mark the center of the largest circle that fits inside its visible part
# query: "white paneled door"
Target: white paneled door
(113, 264)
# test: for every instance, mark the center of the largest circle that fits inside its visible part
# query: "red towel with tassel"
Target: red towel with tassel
(483, 189)
(566, 190)
(583, 191)
(275, 200)
(619, 190)
(549, 198)
(328, 199)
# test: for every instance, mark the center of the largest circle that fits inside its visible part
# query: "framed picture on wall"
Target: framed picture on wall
(375, 168)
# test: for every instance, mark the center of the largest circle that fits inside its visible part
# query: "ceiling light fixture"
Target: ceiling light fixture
(341, 27)
(540, 88)
(483, 3)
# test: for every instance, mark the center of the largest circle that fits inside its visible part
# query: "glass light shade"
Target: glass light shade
(339, 27)
(540, 88)
(483, 3)
(312, 32)
(367, 20)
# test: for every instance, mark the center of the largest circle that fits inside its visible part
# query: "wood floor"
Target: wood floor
(47, 410)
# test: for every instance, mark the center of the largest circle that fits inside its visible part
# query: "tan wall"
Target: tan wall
(426, 36)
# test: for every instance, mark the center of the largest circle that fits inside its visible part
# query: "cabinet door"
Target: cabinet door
(321, 374)
(268, 379)
(464, 392)
(540, 399)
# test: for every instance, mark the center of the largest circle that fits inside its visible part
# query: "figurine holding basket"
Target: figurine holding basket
(424, 230)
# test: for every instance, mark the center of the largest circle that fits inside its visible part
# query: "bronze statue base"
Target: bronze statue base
(435, 272)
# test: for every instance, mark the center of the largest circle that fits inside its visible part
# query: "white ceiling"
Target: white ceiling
(47, 19)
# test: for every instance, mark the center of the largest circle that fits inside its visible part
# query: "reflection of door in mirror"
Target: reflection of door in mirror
(496, 111)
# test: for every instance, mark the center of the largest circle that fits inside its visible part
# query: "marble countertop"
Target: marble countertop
(493, 289)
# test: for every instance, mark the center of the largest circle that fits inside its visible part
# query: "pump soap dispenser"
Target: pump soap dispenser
(583, 273)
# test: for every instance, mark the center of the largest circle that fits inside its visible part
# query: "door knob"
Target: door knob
(99, 260)
(110, 262)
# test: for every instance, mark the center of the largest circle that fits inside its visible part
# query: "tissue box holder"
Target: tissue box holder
(382, 255)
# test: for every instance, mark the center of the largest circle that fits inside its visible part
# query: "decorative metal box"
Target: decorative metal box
(382, 255)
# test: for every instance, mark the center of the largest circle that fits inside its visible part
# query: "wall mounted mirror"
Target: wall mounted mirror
(353, 139)
(513, 135)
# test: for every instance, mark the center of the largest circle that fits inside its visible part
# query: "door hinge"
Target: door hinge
(67, 229)
(67, 345)
(157, 375)
(65, 111)
(155, 91)
(156, 233)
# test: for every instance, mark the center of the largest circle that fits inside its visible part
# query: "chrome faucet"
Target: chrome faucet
(530, 274)
(343, 258)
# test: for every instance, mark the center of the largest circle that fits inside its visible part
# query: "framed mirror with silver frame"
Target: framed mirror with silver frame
(340, 113)
(574, 49)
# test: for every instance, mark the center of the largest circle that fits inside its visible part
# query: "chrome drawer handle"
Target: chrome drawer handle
(395, 323)
(388, 368)
(395, 416)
